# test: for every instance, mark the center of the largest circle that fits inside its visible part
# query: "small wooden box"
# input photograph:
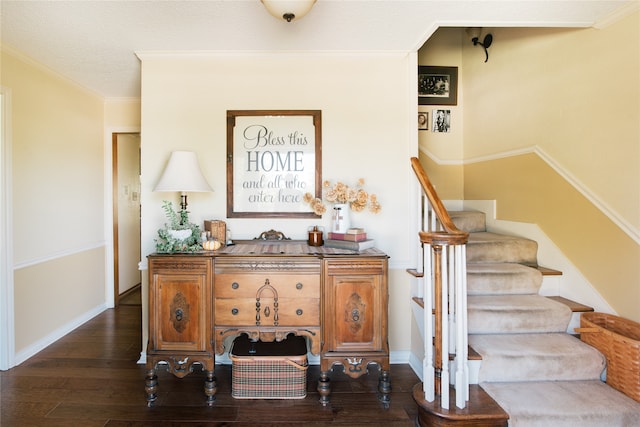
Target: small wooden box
(218, 229)
(269, 370)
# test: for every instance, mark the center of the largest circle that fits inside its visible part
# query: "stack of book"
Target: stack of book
(354, 239)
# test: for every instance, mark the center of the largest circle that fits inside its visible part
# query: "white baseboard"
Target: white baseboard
(55, 335)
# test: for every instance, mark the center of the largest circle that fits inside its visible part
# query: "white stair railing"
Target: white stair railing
(442, 277)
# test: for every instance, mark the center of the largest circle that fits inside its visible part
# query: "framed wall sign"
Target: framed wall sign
(437, 85)
(274, 157)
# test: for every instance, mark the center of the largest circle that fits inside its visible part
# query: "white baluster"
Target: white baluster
(444, 374)
(428, 382)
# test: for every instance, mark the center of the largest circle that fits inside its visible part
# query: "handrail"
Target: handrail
(434, 200)
(444, 292)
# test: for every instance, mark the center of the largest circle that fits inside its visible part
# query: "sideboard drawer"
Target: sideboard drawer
(290, 312)
(246, 288)
(248, 285)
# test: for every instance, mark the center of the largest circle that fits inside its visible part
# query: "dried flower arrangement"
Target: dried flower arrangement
(356, 196)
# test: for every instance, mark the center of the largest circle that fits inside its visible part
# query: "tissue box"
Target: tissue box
(269, 370)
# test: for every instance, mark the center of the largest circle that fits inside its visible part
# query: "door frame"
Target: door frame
(7, 320)
(111, 206)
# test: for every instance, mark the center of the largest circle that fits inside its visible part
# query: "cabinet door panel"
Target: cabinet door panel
(357, 313)
(181, 316)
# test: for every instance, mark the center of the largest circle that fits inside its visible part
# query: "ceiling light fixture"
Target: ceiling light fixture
(289, 10)
(474, 33)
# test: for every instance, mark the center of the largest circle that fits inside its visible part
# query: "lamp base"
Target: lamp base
(183, 201)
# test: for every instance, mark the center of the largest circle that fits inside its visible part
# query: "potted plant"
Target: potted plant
(178, 234)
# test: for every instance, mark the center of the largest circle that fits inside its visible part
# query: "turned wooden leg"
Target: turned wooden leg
(324, 387)
(151, 387)
(384, 387)
(210, 388)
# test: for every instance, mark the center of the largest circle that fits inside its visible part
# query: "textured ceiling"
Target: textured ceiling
(94, 43)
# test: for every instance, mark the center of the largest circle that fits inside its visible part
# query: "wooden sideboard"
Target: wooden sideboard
(337, 299)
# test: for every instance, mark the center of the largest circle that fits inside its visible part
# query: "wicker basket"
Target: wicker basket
(269, 370)
(619, 340)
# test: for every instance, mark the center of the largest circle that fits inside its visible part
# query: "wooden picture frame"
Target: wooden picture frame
(423, 119)
(274, 157)
(437, 85)
(441, 120)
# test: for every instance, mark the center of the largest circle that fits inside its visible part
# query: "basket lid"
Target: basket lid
(291, 346)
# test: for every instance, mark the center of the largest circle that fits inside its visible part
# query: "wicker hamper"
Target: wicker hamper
(269, 370)
(619, 340)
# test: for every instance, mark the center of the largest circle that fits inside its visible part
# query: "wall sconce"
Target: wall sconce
(474, 33)
(289, 10)
(183, 174)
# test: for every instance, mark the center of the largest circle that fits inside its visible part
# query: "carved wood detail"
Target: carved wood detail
(354, 313)
(179, 312)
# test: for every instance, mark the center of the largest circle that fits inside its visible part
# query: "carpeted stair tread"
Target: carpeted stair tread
(502, 279)
(536, 357)
(564, 404)
(504, 314)
(493, 247)
(469, 221)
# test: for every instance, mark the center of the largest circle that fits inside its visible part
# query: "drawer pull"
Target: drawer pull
(235, 311)
(179, 314)
(235, 285)
(267, 312)
(355, 315)
(299, 312)
(298, 286)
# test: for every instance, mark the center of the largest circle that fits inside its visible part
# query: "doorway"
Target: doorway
(126, 217)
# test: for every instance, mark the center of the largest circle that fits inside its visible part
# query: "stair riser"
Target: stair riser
(502, 279)
(516, 251)
(499, 322)
(532, 357)
(511, 314)
(471, 222)
(528, 368)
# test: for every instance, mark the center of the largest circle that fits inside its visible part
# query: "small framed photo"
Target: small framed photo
(441, 121)
(423, 120)
(437, 85)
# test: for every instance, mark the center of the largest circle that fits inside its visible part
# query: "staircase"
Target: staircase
(537, 372)
(531, 370)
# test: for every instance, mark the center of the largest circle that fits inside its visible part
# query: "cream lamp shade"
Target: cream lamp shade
(289, 10)
(183, 174)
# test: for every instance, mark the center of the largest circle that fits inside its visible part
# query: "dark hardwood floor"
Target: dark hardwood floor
(91, 378)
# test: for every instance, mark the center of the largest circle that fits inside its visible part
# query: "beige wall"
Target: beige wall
(441, 153)
(46, 307)
(574, 94)
(535, 193)
(365, 102)
(122, 114)
(572, 97)
(58, 234)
